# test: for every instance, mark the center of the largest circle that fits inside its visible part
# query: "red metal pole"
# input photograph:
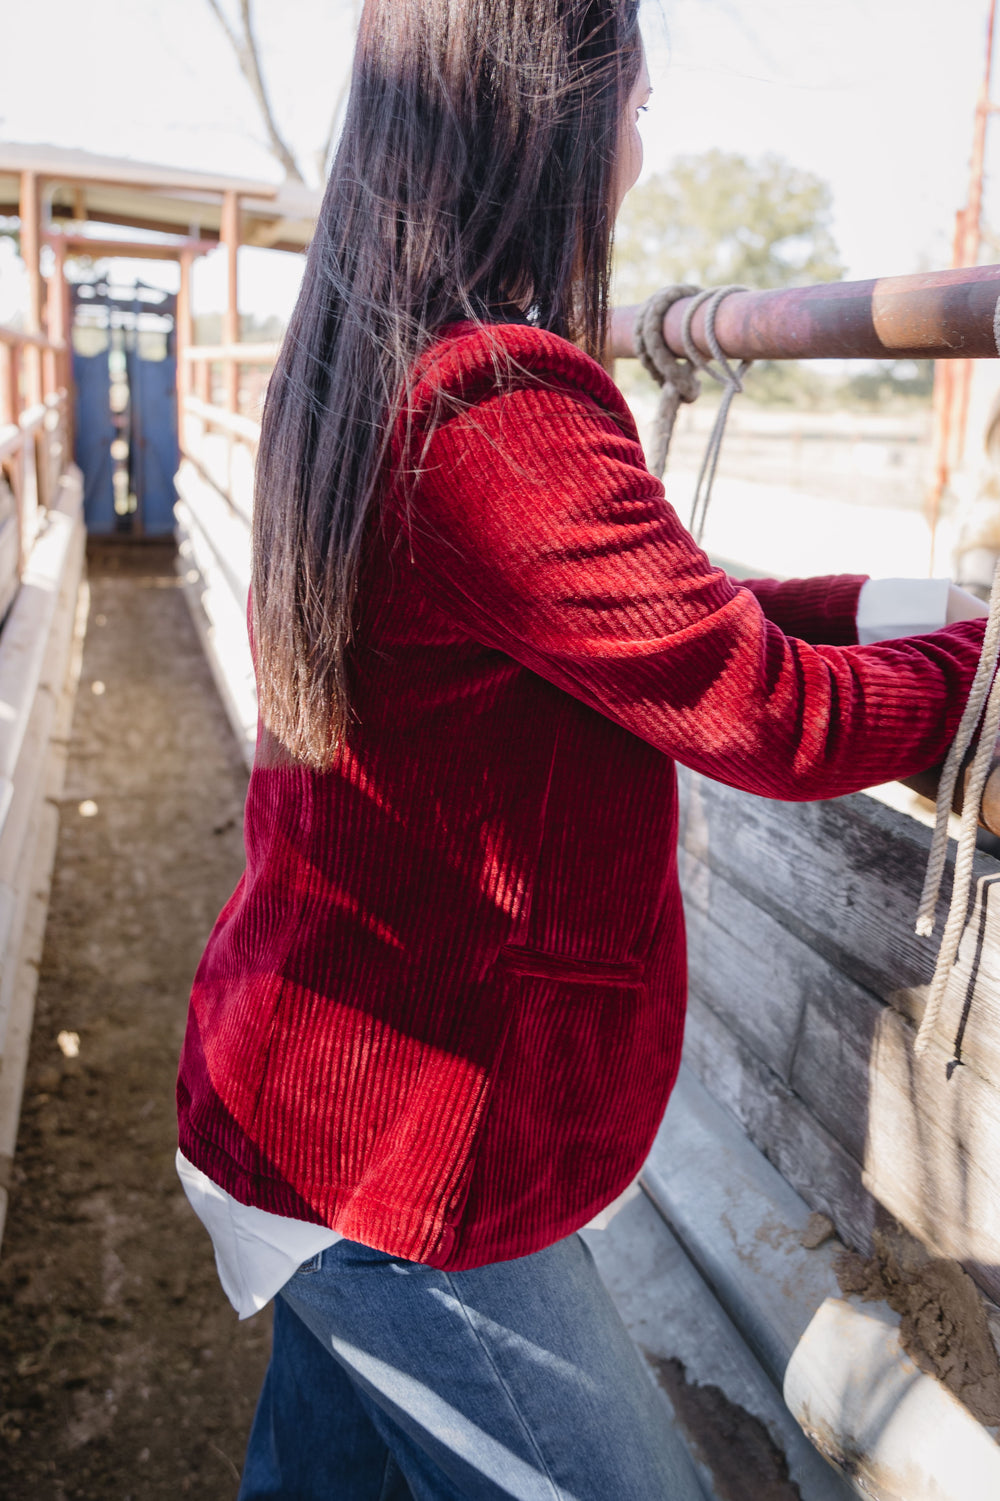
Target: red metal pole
(952, 387)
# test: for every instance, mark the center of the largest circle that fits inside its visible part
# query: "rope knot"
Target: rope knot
(677, 375)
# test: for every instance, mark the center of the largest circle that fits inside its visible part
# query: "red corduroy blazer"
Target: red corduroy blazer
(443, 1010)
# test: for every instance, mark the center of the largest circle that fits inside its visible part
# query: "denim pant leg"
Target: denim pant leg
(514, 1380)
(311, 1435)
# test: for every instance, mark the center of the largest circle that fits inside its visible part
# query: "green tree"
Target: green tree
(722, 217)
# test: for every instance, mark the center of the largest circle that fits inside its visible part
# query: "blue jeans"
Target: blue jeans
(390, 1381)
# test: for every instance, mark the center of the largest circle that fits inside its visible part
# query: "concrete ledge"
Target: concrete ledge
(844, 1374)
(674, 1318)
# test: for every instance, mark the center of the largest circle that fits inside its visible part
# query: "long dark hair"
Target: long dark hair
(475, 172)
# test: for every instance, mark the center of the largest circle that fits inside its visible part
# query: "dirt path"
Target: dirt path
(123, 1372)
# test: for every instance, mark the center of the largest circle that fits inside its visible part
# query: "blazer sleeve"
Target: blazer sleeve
(823, 610)
(538, 529)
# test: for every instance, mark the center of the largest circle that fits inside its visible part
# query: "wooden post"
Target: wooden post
(185, 324)
(30, 211)
(58, 324)
(203, 380)
(952, 388)
(184, 341)
(9, 396)
(27, 499)
(230, 235)
(66, 359)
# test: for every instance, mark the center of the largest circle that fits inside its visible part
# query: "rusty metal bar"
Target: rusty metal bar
(933, 315)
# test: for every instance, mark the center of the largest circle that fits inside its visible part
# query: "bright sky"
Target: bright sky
(877, 96)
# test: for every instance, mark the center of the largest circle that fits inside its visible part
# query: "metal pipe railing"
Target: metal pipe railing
(936, 315)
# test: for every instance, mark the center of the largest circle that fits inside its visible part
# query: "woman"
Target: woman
(436, 1026)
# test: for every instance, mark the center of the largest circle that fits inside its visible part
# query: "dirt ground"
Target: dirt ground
(124, 1374)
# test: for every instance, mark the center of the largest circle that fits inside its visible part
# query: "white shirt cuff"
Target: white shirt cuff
(889, 608)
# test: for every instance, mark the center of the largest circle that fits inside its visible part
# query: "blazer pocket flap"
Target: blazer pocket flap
(518, 959)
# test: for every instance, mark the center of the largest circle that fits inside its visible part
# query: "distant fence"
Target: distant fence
(34, 444)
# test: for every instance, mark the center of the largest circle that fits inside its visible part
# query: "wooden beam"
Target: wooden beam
(58, 323)
(244, 354)
(203, 381)
(230, 236)
(143, 250)
(185, 326)
(232, 423)
(31, 228)
(17, 337)
(162, 225)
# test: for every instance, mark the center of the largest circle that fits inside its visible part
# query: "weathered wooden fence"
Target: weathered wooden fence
(807, 985)
(215, 496)
(42, 540)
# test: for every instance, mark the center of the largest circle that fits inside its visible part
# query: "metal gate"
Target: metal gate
(125, 369)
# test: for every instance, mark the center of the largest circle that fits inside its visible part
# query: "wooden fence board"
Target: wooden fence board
(780, 1125)
(844, 877)
(863, 1114)
(933, 1151)
(830, 1021)
(752, 973)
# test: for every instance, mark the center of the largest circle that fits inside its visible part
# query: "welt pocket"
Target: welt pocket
(518, 959)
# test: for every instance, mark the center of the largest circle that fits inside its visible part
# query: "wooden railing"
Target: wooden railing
(42, 540)
(34, 443)
(202, 364)
(221, 388)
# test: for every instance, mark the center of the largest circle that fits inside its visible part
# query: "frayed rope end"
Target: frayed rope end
(924, 927)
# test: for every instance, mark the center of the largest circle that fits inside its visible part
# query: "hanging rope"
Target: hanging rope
(985, 689)
(678, 378)
(732, 383)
